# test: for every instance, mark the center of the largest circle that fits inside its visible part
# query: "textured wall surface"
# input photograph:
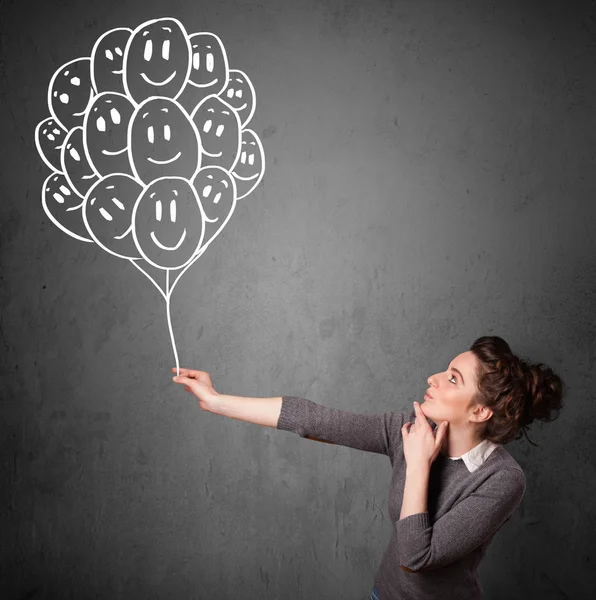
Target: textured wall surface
(430, 179)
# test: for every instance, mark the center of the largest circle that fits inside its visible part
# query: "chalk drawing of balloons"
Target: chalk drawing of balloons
(49, 137)
(107, 213)
(209, 70)
(105, 133)
(249, 170)
(75, 164)
(217, 192)
(64, 207)
(157, 60)
(163, 141)
(219, 126)
(240, 95)
(147, 143)
(107, 58)
(70, 92)
(168, 223)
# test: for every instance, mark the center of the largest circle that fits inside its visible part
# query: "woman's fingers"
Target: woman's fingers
(186, 372)
(184, 380)
(420, 417)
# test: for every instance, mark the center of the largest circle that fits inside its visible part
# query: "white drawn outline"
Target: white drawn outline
(133, 261)
(85, 121)
(260, 175)
(129, 136)
(233, 177)
(234, 112)
(62, 162)
(234, 191)
(85, 207)
(44, 203)
(252, 91)
(94, 52)
(50, 86)
(38, 144)
(126, 51)
(134, 216)
(225, 57)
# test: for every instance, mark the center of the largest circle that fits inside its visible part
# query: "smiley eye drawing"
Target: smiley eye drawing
(146, 142)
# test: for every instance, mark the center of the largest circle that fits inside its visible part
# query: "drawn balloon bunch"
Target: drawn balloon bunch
(149, 147)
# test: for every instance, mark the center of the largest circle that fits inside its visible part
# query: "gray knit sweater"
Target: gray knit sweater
(434, 554)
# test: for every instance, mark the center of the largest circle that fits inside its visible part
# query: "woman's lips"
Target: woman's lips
(427, 397)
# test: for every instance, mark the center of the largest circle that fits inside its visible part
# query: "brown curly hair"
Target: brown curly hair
(516, 391)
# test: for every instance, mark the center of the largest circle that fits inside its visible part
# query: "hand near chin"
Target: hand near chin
(421, 444)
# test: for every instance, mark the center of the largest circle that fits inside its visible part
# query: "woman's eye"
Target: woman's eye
(453, 377)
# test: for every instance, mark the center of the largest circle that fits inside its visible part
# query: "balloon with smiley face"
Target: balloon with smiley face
(107, 58)
(249, 170)
(240, 95)
(217, 192)
(64, 207)
(70, 92)
(157, 60)
(107, 213)
(105, 133)
(209, 70)
(168, 223)
(163, 141)
(146, 143)
(219, 126)
(75, 164)
(49, 137)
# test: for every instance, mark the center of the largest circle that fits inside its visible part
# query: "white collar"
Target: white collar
(477, 455)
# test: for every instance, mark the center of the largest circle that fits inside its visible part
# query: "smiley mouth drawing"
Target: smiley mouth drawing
(246, 178)
(158, 243)
(210, 154)
(108, 153)
(243, 106)
(203, 84)
(80, 114)
(74, 207)
(165, 162)
(119, 237)
(164, 82)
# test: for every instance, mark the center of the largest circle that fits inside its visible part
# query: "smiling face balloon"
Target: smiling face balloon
(157, 60)
(107, 213)
(219, 127)
(240, 95)
(209, 69)
(217, 192)
(105, 133)
(250, 168)
(49, 137)
(75, 164)
(107, 59)
(64, 207)
(70, 92)
(168, 224)
(163, 141)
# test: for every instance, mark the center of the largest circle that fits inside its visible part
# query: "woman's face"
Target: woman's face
(451, 391)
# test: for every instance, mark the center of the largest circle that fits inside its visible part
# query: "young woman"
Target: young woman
(453, 484)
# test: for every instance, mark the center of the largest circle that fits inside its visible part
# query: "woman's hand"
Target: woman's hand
(421, 447)
(199, 383)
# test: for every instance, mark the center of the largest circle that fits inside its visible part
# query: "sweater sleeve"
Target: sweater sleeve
(424, 546)
(380, 433)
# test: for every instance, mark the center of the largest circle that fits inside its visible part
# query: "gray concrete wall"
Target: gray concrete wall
(430, 177)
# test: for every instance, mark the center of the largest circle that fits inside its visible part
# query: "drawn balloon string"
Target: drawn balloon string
(149, 149)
